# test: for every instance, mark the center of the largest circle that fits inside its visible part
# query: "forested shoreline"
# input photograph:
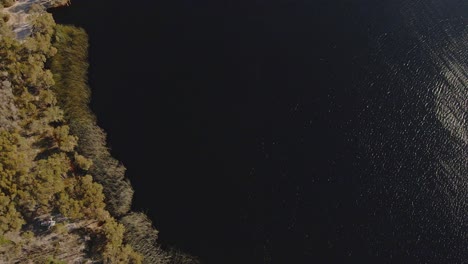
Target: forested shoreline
(63, 197)
(69, 66)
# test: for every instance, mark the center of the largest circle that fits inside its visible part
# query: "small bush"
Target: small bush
(83, 162)
(4, 241)
(28, 235)
(60, 228)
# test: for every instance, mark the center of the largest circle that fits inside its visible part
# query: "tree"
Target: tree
(38, 188)
(82, 162)
(40, 171)
(64, 140)
(114, 251)
(10, 218)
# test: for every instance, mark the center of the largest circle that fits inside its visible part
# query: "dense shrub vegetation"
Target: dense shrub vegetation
(41, 172)
(54, 160)
(70, 67)
(141, 235)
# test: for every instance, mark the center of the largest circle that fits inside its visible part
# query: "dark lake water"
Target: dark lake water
(289, 131)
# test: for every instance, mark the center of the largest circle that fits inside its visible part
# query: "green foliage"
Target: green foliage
(10, 218)
(70, 74)
(40, 171)
(40, 187)
(4, 241)
(83, 162)
(52, 114)
(50, 145)
(69, 207)
(60, 228)
(114, 251)
(28, 235)
(13, 164)
(13, 158)
(83, 197)
(70, 66)
(65, 141)
(90, 194)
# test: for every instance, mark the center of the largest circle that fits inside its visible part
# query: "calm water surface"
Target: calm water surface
(289, 131)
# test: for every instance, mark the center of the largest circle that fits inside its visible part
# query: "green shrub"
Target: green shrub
(27, 235)
(40, 171)
(4, 241)
(70, 67)
(83, 162)
(60, 228)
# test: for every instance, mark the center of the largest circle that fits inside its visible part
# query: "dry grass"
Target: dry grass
(66, 242)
